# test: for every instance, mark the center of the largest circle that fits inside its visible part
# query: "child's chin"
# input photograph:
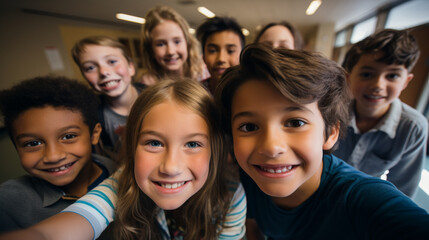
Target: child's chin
(170, 205)
(275, 191)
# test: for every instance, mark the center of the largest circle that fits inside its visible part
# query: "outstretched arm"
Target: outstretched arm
(65, 225)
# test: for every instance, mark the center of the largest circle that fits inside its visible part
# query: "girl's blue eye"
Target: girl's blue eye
(248, 127)
(154, 143)
(295, 123)
(112, 61)
(193, 144)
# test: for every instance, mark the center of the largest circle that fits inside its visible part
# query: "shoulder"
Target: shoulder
(339, 175)
(238, 195)
(139, 86)
(411, 117)
(108, 163)
(18, 185)
(148, 79)
(24, 189)
(233, 226)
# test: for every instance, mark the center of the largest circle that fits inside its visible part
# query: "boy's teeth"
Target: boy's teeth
(62, 168)
(172, 186)
(277, 170)
(110, 83)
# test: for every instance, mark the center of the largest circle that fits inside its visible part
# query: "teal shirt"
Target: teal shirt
(347, 205)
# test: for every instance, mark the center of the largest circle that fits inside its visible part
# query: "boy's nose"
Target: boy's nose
(378, 84)
(272, 144)
(171, 164)
(221, 57)
(54, 153)
(104, 71)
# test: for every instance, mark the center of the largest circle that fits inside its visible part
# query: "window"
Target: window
(340, 40)
(363, 29)
(409, 14)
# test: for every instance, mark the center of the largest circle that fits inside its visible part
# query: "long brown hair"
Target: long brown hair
(192, 67)
(205, 211)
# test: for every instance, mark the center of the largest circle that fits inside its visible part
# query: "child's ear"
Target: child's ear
(333, 137)
(348, 78)
(131, 69)
(408, 80)
(96, 132)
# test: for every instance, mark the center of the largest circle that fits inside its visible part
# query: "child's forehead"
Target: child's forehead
(265, 89)
(47, 115)
(376, 60)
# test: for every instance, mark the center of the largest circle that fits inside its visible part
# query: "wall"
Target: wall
(25, 37)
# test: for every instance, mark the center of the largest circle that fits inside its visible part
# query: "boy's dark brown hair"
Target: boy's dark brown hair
(300, 76)
(398, 47)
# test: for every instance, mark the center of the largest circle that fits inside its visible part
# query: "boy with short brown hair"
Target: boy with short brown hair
(284, 110)
(385, 138)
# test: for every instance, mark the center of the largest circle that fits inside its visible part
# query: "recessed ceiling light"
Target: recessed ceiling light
(206, 12)
(130, 18)
(312, 8)
(245, 32)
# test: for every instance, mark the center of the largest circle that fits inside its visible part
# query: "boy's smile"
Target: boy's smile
(53, 144)
(278, 143)
(107, 70)
(375, 85)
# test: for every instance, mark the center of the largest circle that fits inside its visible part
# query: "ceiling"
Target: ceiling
(249, 13)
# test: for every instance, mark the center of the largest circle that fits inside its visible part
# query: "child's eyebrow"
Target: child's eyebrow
(24, 135)
(297, 108)
(155, 133)
(367, 68)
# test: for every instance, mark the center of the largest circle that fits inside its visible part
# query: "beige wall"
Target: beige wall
(25, 37)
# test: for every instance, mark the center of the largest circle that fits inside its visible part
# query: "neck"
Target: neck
(123, 103)
(87, 175)
(302, 193)
(366, 121)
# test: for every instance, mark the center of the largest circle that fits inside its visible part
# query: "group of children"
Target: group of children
(277, 112)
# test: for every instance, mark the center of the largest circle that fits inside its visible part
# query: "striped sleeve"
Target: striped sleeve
(98, 205)
(234, 225)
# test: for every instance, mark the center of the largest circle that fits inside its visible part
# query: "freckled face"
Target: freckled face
(278, 143)
(107, 70)
(278, 36)
(375, 85)
(53, 144)
(173, 154)
(169, 46)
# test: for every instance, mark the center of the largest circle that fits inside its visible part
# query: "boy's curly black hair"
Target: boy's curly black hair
(58, 92)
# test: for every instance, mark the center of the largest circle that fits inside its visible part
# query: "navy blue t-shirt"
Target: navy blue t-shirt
(347, 205)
